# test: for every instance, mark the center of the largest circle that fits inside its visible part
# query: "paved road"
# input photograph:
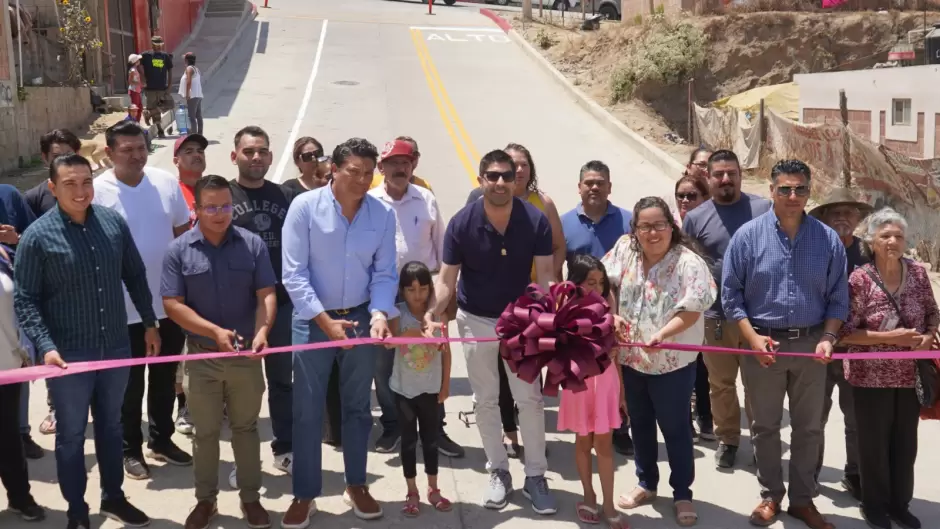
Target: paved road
(361, 68)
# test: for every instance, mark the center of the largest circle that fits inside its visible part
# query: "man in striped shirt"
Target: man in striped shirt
(70, 267)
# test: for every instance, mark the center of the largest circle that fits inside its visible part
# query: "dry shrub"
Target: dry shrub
(754, 6)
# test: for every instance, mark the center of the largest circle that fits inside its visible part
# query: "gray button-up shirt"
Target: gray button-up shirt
(219, 282)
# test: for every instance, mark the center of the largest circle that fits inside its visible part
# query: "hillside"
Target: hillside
(626, 66)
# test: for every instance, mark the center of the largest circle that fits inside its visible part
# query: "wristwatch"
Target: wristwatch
(156, 325)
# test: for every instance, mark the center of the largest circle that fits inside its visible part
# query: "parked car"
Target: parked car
(609, 8)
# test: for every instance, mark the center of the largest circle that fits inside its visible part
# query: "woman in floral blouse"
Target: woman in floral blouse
(892, 309)
(662, 287)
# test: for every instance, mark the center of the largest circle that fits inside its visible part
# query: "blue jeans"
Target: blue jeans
(384, 360)
(279, 374)
(24, 409)
(72, 395)
(664, 400)
(311, 376)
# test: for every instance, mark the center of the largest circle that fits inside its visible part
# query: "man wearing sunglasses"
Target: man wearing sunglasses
(712, 224)
(784, 282)
(218, 285)
(492, 243)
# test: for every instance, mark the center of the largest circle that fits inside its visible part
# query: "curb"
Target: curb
(251, 11)
(651, 153)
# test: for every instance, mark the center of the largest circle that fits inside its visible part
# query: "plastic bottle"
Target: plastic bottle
(182, 119)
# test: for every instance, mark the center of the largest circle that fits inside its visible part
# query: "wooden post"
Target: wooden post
(762, 131)
(691, 113)
(846, 143)
(541, 5)
(583, 12)
(527, 9)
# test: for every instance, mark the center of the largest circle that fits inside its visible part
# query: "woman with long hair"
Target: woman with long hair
(661, 287)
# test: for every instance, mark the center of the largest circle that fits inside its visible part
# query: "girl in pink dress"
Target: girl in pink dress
(594, 414)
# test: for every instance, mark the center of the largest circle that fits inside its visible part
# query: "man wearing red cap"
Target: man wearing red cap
(378, 179)
(189, 157)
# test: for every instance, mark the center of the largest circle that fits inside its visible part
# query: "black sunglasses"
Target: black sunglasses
(785, 191)
(687, 196)
(315, 155)
(494, 176)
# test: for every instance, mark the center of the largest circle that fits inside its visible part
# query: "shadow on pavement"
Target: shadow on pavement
(223, 87)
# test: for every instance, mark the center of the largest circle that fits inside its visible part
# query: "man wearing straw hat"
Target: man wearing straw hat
(158, 76)
(842, 212)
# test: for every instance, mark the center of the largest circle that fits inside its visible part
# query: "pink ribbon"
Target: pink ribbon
(29, 374)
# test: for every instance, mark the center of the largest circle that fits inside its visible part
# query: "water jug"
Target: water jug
(182, 119)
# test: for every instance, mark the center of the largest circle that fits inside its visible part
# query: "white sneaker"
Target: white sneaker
(285, 463)
(233, 478)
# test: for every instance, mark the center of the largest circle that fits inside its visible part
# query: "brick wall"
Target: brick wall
(859, 120)
(914, 149)
(45, 108)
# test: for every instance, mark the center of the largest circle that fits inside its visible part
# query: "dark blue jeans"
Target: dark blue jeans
(278, 371)
(663, 400)
(72, 395)
(311, 377)
(384, 360)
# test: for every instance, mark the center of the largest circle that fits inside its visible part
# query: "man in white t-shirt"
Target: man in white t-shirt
(151, 202)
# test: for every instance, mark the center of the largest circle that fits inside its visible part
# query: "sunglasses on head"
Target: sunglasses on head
(687, 196)
(494, 176)
(785, 191)
(315, 155)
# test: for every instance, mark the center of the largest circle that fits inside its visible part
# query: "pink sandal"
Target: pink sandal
(439, 502)
(412, 505)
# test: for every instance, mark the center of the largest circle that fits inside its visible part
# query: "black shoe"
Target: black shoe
(122, 511)
(623, 444)
(136, 468)
(876, 519)
(725, 456)
(29, 511)
(79, 524)
(33, 450)
(853, 485)
(387, 443)
(448, 447)
(706, 430)
(172, 454)
(905, 519)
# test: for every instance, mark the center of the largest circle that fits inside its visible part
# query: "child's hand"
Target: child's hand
(443, 394)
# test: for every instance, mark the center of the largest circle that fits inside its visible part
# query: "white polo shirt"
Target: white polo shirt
(152, 209)
(420, 232)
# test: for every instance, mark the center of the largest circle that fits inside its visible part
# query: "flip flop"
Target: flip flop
(587, 514)
(636, 498)
(48, 425)
(685, 513)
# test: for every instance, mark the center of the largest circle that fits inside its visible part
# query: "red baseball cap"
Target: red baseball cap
(397, 148)
(182, 140)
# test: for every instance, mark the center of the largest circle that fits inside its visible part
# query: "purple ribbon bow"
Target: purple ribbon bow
(568, 329)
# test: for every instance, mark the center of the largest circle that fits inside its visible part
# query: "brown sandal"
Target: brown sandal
(636, 498)
(439, 502)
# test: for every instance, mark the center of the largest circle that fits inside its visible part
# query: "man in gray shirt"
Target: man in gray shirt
(712, 224)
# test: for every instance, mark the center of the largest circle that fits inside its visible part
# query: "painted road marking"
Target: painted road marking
(470, 37)
(481, 29)
(452, 123)
(305, 102)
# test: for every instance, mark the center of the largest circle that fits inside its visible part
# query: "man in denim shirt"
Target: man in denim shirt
(784, 284)
(218, 285)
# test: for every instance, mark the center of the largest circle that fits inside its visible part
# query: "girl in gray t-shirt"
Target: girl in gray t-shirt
(421, 382)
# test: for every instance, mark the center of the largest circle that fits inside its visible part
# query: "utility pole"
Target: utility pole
(527, 10)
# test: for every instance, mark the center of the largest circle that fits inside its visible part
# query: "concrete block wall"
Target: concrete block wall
(45, 108)
(914, 149)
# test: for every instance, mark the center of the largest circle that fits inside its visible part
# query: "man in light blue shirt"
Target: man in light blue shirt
(340, 270)
(594, 225)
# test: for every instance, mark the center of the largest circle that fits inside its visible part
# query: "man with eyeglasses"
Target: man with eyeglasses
(260, 206)
(842, 212)
(420, 237)
(218, 285)
(784, 283)
(713, 224)
(492, 244)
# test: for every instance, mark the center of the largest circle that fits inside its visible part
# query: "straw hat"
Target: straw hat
(841, 197)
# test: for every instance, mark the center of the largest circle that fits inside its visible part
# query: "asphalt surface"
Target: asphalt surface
(452, 80)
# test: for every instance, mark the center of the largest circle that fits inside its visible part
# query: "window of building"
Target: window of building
(901, 112)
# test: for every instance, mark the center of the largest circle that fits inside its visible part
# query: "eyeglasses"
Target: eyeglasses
(494, 176)
(215, 210)
(316, 155)
(785, 191)
(686, 196)
(656, 226)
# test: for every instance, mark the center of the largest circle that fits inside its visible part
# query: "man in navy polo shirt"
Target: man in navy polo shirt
(593, 227)
(492, 243)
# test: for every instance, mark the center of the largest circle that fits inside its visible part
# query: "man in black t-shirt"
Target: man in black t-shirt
(260, 206)
(158, 76)
(842, 212)
(52, 144)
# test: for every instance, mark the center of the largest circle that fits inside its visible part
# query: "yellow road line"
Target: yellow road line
(425, 59)
(450, 106)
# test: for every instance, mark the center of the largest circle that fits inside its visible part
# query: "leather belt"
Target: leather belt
(792, 333)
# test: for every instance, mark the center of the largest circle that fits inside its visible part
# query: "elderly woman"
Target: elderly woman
(313, 164)
(662, 287)
(892, 309)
